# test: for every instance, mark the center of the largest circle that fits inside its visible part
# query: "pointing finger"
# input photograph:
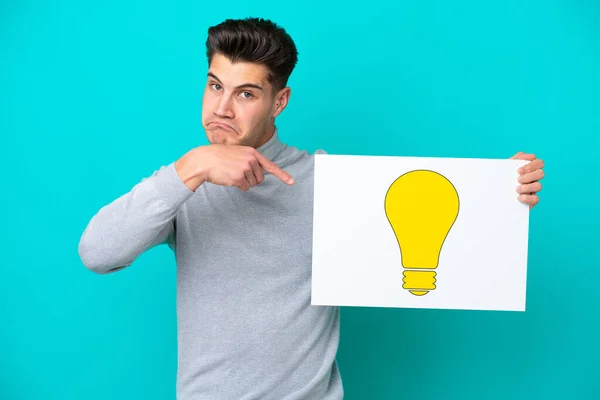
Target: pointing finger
(272, 168)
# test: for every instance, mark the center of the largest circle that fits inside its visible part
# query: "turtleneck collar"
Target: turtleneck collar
(272, 147)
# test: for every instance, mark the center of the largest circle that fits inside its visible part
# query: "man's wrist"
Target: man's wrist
(189, 170)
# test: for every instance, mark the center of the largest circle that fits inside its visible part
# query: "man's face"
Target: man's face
(239, 105)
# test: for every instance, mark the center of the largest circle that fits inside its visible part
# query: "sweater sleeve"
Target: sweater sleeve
(133, 223)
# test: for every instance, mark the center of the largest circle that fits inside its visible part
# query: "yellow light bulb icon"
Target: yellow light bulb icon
(421, 206)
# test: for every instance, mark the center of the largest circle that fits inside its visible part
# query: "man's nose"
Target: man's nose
(223, 107)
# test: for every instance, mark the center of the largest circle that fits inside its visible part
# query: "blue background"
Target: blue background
(94, 97)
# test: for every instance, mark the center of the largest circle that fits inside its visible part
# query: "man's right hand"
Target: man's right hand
(227, 165)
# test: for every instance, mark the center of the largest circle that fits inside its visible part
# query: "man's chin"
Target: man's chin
(221, 137)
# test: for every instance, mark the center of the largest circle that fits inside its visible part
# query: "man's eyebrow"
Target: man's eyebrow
(244, 85)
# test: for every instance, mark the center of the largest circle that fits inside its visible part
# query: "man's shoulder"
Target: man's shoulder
(298, 162)
(293, 155)
(299, 154)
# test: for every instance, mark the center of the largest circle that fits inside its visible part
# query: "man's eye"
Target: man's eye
(247, 95)
(216, 86)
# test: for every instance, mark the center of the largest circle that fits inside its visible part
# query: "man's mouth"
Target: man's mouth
(221, 125)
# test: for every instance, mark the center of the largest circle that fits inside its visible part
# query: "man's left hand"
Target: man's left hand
(529, 178)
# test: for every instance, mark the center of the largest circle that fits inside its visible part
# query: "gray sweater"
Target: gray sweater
(246, 328)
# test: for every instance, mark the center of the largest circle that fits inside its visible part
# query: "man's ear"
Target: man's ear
(281, 100)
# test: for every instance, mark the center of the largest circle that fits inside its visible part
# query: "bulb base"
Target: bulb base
(419, 283)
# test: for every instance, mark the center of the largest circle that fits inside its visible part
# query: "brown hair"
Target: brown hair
(255, 40)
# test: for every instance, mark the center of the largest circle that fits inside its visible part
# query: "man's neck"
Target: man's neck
(267, 136)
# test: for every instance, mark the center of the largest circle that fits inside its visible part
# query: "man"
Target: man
(238, 215)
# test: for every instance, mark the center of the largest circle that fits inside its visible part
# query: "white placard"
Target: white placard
(419, 232)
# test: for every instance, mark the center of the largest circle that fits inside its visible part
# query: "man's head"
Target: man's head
(249, 61)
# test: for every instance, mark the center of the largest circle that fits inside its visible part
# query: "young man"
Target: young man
(238, 215)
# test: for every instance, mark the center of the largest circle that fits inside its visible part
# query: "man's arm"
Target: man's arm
(143, 218)
(133, 223)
